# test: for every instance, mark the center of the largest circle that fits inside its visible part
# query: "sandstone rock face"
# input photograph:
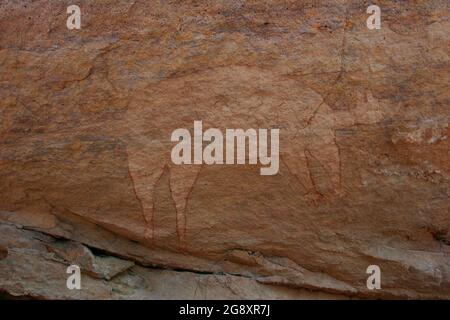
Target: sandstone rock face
(86, 176)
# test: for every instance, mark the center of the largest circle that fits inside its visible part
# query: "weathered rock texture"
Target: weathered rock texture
(85, 170)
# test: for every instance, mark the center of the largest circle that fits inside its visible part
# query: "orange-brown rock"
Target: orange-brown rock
(86, 176)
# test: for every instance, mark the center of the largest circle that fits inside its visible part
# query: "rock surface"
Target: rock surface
(86, 176)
